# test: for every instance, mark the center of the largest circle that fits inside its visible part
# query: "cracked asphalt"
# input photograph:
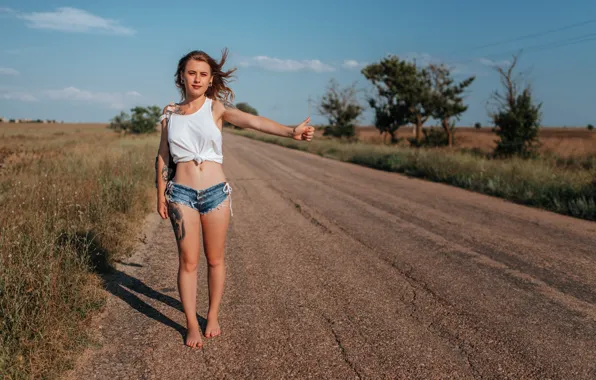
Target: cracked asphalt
(336, 271)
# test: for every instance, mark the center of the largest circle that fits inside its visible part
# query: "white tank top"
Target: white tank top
(195, 136)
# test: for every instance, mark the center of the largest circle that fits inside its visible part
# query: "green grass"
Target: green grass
(538, 183)
(70, 205)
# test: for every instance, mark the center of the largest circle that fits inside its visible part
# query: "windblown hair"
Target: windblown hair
(219, 89)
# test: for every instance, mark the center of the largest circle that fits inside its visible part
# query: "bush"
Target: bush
(590, 127)
(141, 120)
(342, 110)
(477, 125)
(120, 122)
(345, 131)
(432, 137)
(516, 118)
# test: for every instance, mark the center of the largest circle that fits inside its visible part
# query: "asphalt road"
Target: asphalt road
(336, 271)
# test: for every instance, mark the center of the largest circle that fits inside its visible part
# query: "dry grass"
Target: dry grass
(561, 142)
(72, 197)
(540, 183)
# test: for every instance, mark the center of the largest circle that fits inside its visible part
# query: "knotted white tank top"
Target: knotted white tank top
(195, 136)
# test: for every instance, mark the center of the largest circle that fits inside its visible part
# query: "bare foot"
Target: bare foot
(193, 337)
(212, 329)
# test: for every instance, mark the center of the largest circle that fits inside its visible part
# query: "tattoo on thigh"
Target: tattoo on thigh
(177, 222)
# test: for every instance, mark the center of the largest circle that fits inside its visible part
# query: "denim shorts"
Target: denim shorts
(203, 200)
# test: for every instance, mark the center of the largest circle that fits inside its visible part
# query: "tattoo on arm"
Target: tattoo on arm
(165, 173)
(228, 105)
(177, 110)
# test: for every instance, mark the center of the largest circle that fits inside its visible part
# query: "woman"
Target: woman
(199, 194)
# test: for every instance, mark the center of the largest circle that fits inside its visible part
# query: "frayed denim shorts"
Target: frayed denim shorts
(203, 200)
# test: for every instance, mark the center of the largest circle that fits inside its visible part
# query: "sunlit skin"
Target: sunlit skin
(186, 222)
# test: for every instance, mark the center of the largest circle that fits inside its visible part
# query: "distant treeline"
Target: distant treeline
(44, 121)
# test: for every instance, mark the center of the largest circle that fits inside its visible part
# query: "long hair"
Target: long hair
(219, 88)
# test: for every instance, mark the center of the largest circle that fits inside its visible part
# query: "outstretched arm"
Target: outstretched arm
(246, 120)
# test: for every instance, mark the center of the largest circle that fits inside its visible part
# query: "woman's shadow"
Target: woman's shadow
(122, 284)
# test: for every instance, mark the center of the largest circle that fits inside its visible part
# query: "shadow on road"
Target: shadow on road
(122, 285)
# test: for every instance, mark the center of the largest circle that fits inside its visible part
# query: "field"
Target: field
(71, 198)
(563, 142)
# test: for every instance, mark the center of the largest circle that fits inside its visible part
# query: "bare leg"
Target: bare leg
(185, 222)
(215, 227)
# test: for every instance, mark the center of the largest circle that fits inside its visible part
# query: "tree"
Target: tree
(590, 127)
(403, 95)
(120, 122)
(516, 118)
(477, 125)
(341, 108)
(245, 107)
(144, 119)
(447, 97)
(141, 120)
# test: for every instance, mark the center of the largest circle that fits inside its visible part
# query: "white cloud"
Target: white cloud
(6, 10)
(460, 68)
(276, 64)
(116, 100)
(8, 71)
(74, 20)
(352, 64)
(22, 96)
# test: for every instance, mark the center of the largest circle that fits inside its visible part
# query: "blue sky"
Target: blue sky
(85, 61)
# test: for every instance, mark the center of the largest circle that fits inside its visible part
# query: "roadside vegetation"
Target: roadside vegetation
(73, 198)
(538, 183)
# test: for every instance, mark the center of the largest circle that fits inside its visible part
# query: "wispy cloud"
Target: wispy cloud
(277, 64)
(491, 63)
(425, 59)
(6, 10)
(422, 59)
(115, 100)
(22, 96)
(68, 19)
(22, 50)
(8, 71)
(352, 64)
